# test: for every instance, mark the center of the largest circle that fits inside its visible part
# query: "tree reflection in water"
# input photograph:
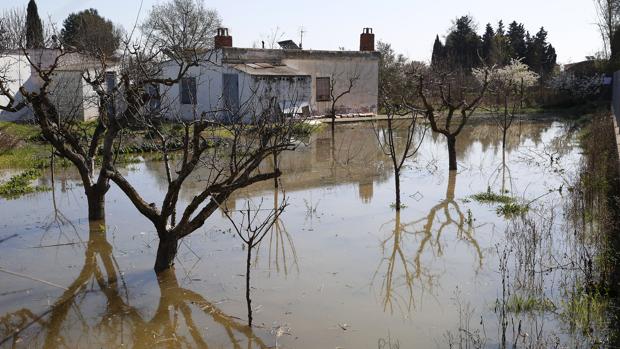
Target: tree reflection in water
(395, 258)
(120, 323)
(281, 252)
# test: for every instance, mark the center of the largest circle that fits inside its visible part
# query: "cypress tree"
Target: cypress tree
(439, 54)
(34, 27)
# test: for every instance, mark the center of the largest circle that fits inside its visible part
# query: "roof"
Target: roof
(243, 55)
(288, 45)
(268, 69)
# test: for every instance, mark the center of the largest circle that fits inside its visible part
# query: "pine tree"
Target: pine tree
(88, 31)
(502, 45)
(463, 44)
(34, 27)
(517, 40)
(489, 48)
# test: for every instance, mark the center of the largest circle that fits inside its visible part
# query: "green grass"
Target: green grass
(20, 184)
(519, 304)
(21, 131)
(512, 209)
(490, 197)
(28, 155)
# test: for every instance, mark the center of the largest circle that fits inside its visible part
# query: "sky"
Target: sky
(409, 26)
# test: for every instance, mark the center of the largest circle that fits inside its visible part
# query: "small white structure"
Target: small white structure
(247, 80)
(71, 95)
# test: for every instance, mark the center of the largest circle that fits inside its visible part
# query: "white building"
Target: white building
(247, 79)
(71, 95)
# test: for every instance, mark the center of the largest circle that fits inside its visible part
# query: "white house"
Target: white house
(71, 95)
(247, 79)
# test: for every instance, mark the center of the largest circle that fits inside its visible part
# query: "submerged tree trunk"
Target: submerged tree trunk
(452, 152)
(397, 188)
(247, 283)
(166, 252)
(96, 203)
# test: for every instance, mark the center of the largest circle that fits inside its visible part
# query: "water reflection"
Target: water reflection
(398, 290)
(69, 322)
(281, 253)
(453, 216)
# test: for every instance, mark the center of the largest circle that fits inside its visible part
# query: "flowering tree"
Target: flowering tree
(507, 88)
(577, 87)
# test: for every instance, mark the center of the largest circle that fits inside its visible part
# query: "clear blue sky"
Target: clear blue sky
(410, 26)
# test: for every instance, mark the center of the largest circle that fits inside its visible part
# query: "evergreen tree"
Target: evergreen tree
(502, 45)
(489, 48)
(439, 53)
(463, 44)
(517, 40)
(34, 27)
(541, 56)
(88, 31)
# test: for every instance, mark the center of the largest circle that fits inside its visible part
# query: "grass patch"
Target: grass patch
(25, 156)
(20, 184)
(26, 132)
(490, 197)
(519, 304)
(512, 209)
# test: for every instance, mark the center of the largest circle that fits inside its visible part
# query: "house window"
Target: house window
(322, 89)
(188, 91)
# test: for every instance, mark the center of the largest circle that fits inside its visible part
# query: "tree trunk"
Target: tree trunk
(452, 152)
(96, 204)
(166, 252)
(397, 188)
(247, 283)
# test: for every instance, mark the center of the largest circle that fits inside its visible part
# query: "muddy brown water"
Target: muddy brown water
(340, 269)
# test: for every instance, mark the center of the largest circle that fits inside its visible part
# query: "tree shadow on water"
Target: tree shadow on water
(72, 320)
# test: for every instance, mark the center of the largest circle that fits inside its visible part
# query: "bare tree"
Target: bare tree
(63, 127)
(341, 83)
(608, 18)
(449, 99)
(252, 228)
(400, 138)
(184, 24)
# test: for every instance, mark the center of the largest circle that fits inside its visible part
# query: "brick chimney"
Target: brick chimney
(222, 39)
(367, 40)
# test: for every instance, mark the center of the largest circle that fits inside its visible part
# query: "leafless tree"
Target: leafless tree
(608, 18)
(341, 83)
(184, 24)
(62, 125)
(449, 99)
(400, 138)
(252, 227)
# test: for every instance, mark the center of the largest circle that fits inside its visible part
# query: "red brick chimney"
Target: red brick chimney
(367, 40)
(222, 39)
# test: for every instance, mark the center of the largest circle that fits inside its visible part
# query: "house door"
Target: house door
(230, 91)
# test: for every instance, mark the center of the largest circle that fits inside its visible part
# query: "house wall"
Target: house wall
(364, 94)
(17, 71)
(253, 91)
(69, 92)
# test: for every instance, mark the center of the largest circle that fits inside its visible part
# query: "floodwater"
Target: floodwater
(340, 269)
